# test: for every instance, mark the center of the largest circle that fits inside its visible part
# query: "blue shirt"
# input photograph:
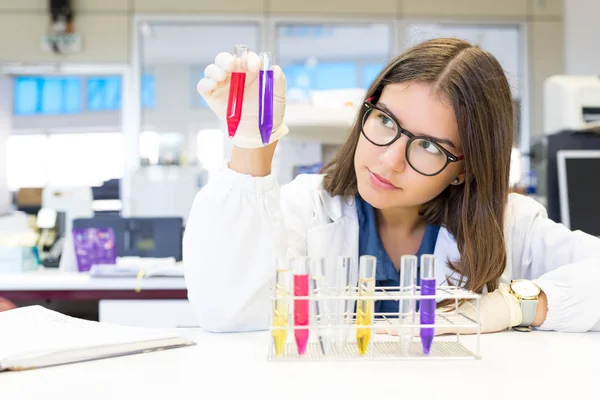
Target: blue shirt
(369, 243)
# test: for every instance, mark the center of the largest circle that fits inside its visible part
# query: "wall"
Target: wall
(105, 26)
(172, 113)
(582, 37)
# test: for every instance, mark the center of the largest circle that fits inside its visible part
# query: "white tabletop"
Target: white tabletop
(536, 365)
(53, 279)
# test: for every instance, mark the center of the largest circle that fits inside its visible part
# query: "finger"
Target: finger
(250, 63)
(206, 86)
(279, 82)
(215, 73)
(253, 62)
(225, 61)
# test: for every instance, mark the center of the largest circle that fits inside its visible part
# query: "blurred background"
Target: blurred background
(106, 140)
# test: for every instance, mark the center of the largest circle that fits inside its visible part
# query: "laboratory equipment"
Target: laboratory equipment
(571, 122)
(365, 305)
(265, 97)
(578, 171)
(281, 305)
(408, 286)
(75, 202)
(94, 246)
(427, 306)
(301, 270)
(236, 90)
(141, 237)
(449, 319)
(343, 315)
(571, 102)
(319, 289)
(544, 162)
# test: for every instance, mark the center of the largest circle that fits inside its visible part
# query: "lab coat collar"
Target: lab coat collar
(340, 208)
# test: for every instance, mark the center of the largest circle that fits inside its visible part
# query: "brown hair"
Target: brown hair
(474, 84)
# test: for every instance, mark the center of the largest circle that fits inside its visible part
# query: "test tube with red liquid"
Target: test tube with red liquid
(236, 89)
(301, 266)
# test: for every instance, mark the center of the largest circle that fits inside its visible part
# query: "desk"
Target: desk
(160, 302)
(563, 365)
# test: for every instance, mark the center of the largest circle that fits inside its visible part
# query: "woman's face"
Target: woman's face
(385, 179)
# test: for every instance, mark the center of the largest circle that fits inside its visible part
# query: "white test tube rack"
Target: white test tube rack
(451, 346)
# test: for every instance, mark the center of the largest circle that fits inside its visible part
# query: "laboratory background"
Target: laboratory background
(106, 141)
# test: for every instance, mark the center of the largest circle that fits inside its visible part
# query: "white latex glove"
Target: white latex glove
(499, 309)
(214, 88)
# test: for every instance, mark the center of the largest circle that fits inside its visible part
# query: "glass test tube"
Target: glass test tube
(281, 306)
(343, 315)
(301, 307)
(318, 287)
(364, 309)
(427, 306)
(236, 89)
(408, 284)
(265, 97)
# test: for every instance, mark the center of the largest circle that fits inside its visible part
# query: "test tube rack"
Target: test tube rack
(384, 343)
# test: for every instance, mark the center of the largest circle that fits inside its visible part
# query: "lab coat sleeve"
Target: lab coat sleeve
(567, 267)
(234, 234)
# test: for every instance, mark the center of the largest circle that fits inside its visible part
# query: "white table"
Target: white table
(149, 302)
(51, 279)
(536, 365)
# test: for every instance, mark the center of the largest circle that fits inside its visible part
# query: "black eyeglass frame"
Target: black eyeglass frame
(450, 158)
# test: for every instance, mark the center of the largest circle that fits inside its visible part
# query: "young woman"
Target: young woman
(424, 170)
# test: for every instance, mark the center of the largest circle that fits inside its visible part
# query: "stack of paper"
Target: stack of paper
(34, 337)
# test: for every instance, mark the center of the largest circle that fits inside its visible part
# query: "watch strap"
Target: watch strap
(529, 310)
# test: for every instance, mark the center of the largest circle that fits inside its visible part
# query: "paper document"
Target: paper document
(34, 337)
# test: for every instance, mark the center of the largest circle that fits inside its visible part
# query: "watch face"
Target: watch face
(525, 289)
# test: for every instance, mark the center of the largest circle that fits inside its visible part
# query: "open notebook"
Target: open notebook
(35, 337)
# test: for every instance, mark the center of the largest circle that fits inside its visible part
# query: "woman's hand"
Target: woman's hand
(499, 310)
(214, 88)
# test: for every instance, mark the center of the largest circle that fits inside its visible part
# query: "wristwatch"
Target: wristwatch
(527, 293)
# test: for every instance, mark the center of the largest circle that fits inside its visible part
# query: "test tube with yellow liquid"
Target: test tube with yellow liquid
(364, 307)
(281, 307)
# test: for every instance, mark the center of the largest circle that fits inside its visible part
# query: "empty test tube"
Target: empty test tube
(318, 287)
(408, 283)
(343, 310)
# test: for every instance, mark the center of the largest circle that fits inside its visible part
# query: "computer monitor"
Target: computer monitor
(579, 189)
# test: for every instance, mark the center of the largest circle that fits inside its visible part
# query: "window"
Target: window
(64, 159)
(26, 161)
(50, 95)
(369, 73)
(503, 41)
(197, 73)
(148, 91)
(47, 95)
(331, 56)
(104, 93)
(85, 158)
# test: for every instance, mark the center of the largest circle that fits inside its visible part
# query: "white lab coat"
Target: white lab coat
(239, 224)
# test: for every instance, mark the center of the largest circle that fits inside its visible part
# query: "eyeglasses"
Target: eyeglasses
(423, 154)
